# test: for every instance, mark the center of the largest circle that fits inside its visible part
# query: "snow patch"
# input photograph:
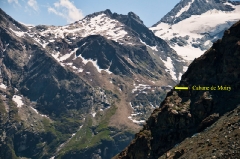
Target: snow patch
(185, 68)
(94, 114)
(39, 113)
(51, 41)
(170, 67)
(141, 87)
(69, 64)
(188, 52)
(131, 105)
(66, 56)
(56, 55)
(152, 106)
(35, 110)
(130, 60)
(80, 70)
(18, 33)
(85, 61)
(43, 44)
(152, 47)
(18, 99)
(73, 134)
(180, 76)
(74, 67)
(3, 86)
(136, 121)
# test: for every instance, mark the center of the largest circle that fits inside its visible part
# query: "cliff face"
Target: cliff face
(184, 113)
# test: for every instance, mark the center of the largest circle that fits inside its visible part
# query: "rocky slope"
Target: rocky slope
(185, 113)
(80, 90)
(221, 140)
(192, 26)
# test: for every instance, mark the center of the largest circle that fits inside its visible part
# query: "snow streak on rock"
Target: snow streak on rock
(170, 68)
(184, 9)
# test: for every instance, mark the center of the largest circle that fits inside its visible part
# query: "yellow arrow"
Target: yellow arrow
(181, 88)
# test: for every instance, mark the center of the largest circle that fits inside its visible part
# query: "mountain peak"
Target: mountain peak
(107, 12)
(186, 8)
(193, 25)
(135, 17)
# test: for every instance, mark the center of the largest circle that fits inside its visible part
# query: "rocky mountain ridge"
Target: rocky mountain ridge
(127, 30)
(186, 8)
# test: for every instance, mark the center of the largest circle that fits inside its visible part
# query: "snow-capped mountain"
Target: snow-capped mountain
(192, 26)
(105, 45)
(125, 30)
(84, 86)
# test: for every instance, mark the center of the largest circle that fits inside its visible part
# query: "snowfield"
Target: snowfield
(211, 22)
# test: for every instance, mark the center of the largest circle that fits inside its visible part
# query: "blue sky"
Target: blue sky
(62, 12)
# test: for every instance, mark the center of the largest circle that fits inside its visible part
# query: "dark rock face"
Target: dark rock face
(135, 23)
(185, 113)
(114, 56)
(208, 121)
(218, 141)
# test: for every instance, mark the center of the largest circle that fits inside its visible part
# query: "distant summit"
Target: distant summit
(192, 26)
(186, 8)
